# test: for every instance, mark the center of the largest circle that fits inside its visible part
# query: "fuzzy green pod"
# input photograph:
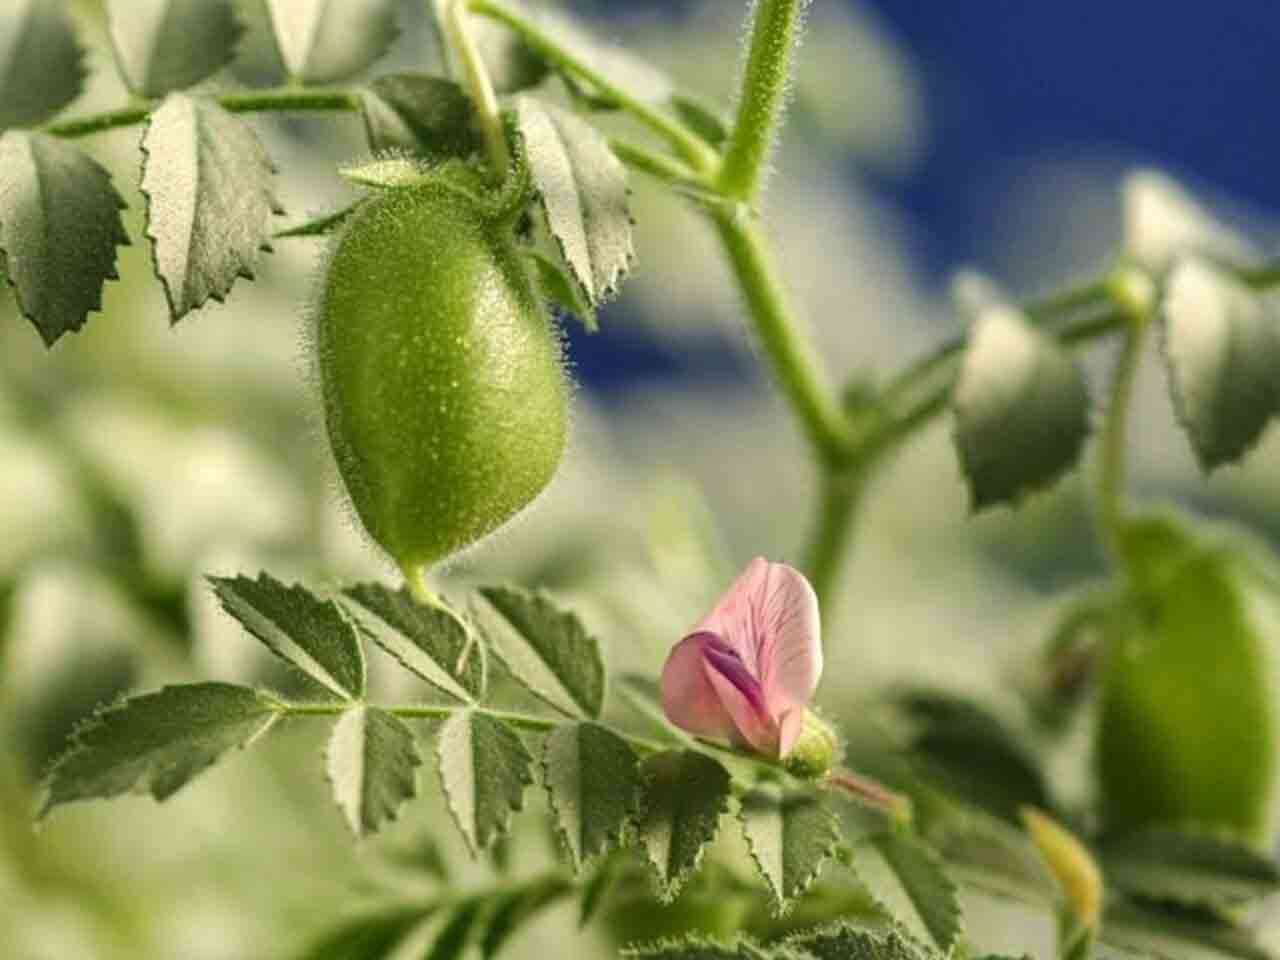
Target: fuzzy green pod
(442, 376)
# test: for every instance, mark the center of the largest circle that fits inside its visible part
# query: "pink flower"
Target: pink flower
(746, 672)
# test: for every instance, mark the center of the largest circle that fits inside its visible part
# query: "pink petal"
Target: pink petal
(733, 617)
(790, 639)
(741, 695)
(791, 724)
(688, 697)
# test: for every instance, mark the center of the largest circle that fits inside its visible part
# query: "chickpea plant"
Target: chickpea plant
(492, 212)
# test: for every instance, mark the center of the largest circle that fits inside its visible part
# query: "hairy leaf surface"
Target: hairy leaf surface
(59, 228)
(324, 41)
(41, 64)
(484, 769)
(685, 795)
(309, 634)
(210, 199)
(791, 836)
(1021, 409)
(432, 642)
(372, 763)
(157, 742)
(546, 648)
(593, 781)
(167, 45)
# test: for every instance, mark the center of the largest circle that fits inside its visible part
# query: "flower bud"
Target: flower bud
(816, 749)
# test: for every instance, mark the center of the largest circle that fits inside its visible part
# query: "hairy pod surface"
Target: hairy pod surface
(442, 377)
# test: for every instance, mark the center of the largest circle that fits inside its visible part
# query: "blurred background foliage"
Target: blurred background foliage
(137, 459)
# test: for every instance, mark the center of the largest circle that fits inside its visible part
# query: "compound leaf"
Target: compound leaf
(157, 742)
(910, 880)
(484, 769)
(545, 648)
(593, 781)
(1222, 350)
(1021, 409)
(583, 190)
(41, 64)
(59, 228)
(309, 634)
(207, 180)
(372, 763)
(430, 641)
(324, 41)
(685, 795)
(167, 45)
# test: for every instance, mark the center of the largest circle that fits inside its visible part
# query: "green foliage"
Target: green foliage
(1170, 700)
(1222, 349)
(311, 635)
(685, 795)
(484, 769)
(562, 292)
(370, 935)
(157, 742)
(514, 909)
(583, 191)
(430, 641)
(546, 648)
(417, 113)
(167, 45)
(372, 762)
(1021, 408)
(593, 781)
(42, 69)
(1189, 867)
(791, 836)
(324, 41)
(59, 228)
(210, 200)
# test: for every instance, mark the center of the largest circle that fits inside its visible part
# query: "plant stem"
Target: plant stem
(278, 99)
(683, 140)
(1112, 456)
(476, 79)
(774, 28)
(792, 357)
(829, 541)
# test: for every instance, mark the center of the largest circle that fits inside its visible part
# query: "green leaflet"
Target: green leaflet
(371, 762)
(1188, 669)
(514, 909)
(324, 41)
(847, 941)
(416, 113)
(484, 769)
(685, 794)
(210, 200)
(1155, 932)
(1021, 409)
(563, 294)
(41, 64)
(1189, 866)
(157, 742)
(593, 782)
(545, 648)
(791, 836)
(583, 190)
(910, 880)
(1222, 351)
(167, 45)
(430, 641)
(371, 935)
(59, 228)
(697, 948)
(310, 634)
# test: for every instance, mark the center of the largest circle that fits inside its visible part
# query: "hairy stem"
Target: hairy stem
(480, 88)
(684, 141)
(278, 100)
(1112, 456)
(790, 354)
(829, 541)
(774, 29)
